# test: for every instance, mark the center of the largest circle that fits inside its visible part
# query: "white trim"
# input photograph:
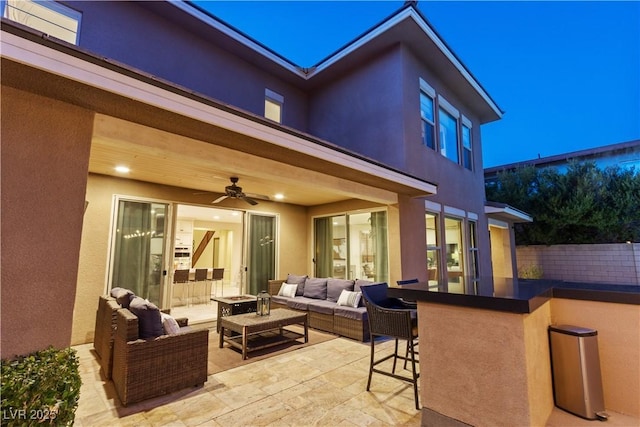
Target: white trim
(514, 214)
(496, 223)
(426, 88)
(180, 4)
(446, 105)
(449, 210)
(466, 122)
(274, 96)
(472, 216)
(41, 57)
(432, 206)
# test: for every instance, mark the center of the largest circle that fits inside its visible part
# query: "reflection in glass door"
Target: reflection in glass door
(138, 247)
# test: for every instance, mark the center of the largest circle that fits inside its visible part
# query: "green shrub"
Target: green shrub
(530, 272)
(41, 388)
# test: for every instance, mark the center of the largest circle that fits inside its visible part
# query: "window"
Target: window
(433, 249)
(273, 105)
(47, 16)
(351, 246)
(455, 262)
(448, 118)
(426, 113)
(467, 158)
(473, 250)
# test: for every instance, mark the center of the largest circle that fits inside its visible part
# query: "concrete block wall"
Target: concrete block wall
(605, 263)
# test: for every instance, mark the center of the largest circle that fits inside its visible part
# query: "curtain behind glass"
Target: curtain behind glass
(381, 257)
(324, 247)
(133, 266)
(262, 266)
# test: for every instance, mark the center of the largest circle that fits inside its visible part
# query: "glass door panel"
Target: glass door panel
(454, 254)
(138, 250)
(261, 253)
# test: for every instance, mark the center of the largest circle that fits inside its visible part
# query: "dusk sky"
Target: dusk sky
(567, 74)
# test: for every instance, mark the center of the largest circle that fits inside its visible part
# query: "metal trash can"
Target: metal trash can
(577, 382)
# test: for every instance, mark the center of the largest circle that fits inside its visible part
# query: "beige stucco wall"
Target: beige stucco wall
(45, 155)
(94, 251)
(618, 327)
(483, 367)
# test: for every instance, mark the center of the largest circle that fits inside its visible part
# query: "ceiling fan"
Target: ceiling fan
(234, 192)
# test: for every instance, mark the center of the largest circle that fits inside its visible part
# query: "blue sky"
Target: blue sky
(567, 74)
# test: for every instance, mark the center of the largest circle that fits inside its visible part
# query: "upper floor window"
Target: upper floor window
(427, 94)
(273, 103)
(467, 158)
(47, 16)
(448, 120)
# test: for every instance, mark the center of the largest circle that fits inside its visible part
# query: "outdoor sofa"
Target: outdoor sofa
(327, 308)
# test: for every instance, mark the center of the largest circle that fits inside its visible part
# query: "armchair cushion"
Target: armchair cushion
(149, 318)
(123, 296)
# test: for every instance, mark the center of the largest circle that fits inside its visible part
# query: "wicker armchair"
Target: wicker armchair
(143, 369)
(387, 318)
(105, 331)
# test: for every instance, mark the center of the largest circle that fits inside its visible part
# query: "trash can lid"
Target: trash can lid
(573, 330)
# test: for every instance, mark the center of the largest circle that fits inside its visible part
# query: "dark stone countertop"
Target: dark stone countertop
(515, 295)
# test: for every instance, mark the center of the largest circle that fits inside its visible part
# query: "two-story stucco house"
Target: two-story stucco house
(365, 165)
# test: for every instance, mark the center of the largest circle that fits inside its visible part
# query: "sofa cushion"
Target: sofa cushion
(279, 299)
(349, 299)
(336, 286)
(123, 296)
(359, 313)
(299, 303)
(288, 290)
(297, 280)
(169, 324)
(315, 288)
(149, 318)
(321, 306)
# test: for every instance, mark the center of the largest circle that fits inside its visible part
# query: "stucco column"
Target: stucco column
(413, 243)
(45, 159)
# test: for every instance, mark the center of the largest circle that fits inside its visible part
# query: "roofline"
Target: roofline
(43, 52)
(500, 210)
(564, 157)
(407, 11)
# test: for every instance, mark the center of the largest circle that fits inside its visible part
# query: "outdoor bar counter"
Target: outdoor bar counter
(484, 347)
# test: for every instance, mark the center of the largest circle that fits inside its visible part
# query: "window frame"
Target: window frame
(274, 100)
(445, 107)
(428, 92)
(54, 8)
(467, 146)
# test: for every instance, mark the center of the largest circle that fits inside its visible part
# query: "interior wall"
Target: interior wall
(45, 156)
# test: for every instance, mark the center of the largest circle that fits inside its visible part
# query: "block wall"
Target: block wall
(606, 263)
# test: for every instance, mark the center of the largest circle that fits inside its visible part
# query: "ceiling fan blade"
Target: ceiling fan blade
(257, 196)
(249, 200)
(219, 199)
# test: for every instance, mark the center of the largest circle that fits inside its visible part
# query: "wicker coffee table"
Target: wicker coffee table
(258, 332)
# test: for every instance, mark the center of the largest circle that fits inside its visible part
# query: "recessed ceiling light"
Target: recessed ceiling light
(122, 169)
(234, 213)
(279, 196)
(216, 217)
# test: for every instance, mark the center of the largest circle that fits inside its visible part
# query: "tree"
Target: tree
(583, 205)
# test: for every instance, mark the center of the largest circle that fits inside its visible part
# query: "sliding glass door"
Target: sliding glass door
(138, 248)
(352, 246)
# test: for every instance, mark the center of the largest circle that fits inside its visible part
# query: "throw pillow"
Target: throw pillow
(169, 324)
(288, 290)
(149, 318)
(349, 298)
